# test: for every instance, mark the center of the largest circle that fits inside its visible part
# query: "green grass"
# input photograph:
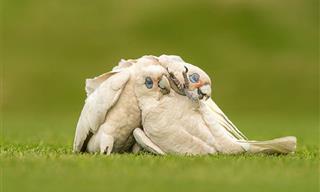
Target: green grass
(54, 168)
(263, 57)
(39, 158)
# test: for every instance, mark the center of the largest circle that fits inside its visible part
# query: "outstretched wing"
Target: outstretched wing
(103, 93)
(223, 120)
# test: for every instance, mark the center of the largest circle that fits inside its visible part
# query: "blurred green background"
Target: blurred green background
(263, 57)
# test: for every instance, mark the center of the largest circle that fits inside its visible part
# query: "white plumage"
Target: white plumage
(174, 113)
(181, 125)
(111, 110)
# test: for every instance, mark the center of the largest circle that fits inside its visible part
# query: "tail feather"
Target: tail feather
(283, 145)
(230, 134)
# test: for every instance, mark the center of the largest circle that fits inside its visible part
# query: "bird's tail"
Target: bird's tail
(283, 145)
(228, 133)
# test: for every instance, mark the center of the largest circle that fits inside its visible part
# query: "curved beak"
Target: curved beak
(164, 85)
(204, 91)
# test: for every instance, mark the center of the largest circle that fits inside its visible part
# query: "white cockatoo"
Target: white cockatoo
(187, 121)
(111, 111)
(117, 100)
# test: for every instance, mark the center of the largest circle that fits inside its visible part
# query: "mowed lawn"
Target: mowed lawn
(43, 161)
(262, 56)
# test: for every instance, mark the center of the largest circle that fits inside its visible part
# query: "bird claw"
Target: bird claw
(182, 87)
(185, 77)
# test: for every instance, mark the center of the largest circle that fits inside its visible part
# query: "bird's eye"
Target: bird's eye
(194, 78)
(149, 83)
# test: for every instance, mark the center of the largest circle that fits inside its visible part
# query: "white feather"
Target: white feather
(224, 120)
(230, 138)
(167, 126)
(97, 105)
(176, 127)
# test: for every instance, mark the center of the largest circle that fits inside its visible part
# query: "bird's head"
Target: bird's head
(187, 79)
(151, 82)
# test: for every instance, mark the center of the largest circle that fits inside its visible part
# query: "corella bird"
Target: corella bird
(141, 88)
(187, 121)
(111, 111)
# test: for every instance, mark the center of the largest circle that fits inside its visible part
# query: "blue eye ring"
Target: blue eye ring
(149, 83)
(194, 78)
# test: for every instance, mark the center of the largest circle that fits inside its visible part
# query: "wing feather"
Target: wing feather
(93, 84)
(222, 119)
(98, 103)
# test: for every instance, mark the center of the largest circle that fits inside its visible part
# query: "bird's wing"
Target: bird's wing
(223, 120)
(93, 84)
(124, 64)
(98, 103)
(144, 141)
